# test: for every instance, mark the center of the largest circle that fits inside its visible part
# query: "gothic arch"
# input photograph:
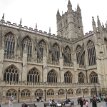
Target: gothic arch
(78, 91)
(27, 46)
(41, 49)
(39, 93)
(70, 92)
(91, 53)
(25, 93)
(67, 55)
(61, 92)
(50, 92)
(78, 51)
(81, 77)
(93, 77)
(9, 45)
(52, 76)
(11, 92)
(33, 76)
(68, 77)
(85, 91)
(55, 52)
(11, 74)
(80, 55)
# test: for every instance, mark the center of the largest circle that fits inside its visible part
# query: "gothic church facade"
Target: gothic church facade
(35, 64)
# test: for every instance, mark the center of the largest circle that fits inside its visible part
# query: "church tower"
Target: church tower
(69, 24)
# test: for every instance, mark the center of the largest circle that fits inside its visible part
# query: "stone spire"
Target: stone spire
(58, 15)
(3, 17)
(99, 24)
(69, 5)
(94, 24)
(20, 24)
(49, 30)
(36, 26)
(78, 8)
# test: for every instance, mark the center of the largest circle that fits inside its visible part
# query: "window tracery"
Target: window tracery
(93, 77)
(91, 53)
(11, 92)
(52, 77)
(68, 77)
(25, 93)
(9, 45)
(27, 46)
(81, 77)
(41, 48)
(80, 55)
(33, 76)
(50, 92)
(67, 56)
(61, 92)
(38, 93)
(11, 75)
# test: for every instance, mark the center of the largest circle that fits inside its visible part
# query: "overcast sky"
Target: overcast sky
(43, 12)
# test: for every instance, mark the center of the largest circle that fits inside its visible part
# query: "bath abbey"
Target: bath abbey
(36, 63)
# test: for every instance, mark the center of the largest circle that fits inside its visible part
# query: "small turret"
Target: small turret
(99, 24)
(69, 6)
(58, 15)
(78, 8)
(20, 24)
(94, 24)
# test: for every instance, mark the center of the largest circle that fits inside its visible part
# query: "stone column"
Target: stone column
(1, 54)
(1, 63)
(61, 72)
(45, 68)
(24, 76)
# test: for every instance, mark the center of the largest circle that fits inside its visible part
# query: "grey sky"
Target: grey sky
(43, 12)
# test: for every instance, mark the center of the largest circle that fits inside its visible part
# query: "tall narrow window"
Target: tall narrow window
(9, 44)
(80, 54)
(33, 76)
(68, 77)
(81, 77)
(27, 46)
(93, 77)
(41, 48)
(55, 53)
(52, 77)
(67, 56)
(91, 53)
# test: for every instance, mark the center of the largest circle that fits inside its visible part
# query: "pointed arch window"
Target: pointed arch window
(41, 49)
(9, 45)
(50, 92)
(67, 55)
(27, 46)
(55, 53)
(25, 93)
(39, 93)
(68, 77)
(33, 76)
(80, 55)
(91, 53)
(70, 92)
(11, 75)
(81, 77)
(93, 77)
(11, 92)
(61, 92)
(52, 77)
